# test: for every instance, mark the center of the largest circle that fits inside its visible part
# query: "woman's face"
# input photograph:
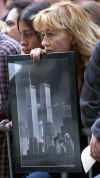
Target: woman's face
(53, 41)
(29, 39)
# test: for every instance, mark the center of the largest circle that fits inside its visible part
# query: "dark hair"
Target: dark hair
(19, 4)
(31, 10)
(5, 1)
(27, 15)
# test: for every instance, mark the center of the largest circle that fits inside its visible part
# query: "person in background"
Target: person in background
(8, 46)
(95, 142)
(14, 11)
(66, 26)
(3, 8)
(93, 8)
(90, 94)
(29, 38)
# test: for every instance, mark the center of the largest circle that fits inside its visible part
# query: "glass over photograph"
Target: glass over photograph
(45, 113)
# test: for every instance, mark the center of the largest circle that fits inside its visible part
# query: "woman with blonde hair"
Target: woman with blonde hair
(66, 26)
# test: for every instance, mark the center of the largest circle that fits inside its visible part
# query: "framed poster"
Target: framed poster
(44, 112)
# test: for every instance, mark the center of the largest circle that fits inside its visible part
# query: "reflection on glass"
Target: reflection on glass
(41, 115)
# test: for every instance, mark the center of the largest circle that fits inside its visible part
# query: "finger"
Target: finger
(43, 51)
(4, 121)
(9, 125)
(38, 54)
(35, 54)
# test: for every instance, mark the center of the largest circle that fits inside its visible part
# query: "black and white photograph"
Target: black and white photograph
(44, 115)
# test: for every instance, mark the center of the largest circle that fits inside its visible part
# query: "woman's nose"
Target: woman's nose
(23, 41)
(45, 42)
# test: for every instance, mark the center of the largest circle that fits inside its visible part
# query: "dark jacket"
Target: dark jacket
(90, 94)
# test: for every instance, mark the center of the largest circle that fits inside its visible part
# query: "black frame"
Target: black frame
(45, 146)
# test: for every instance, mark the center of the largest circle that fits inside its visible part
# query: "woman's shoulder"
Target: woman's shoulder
(8, 45)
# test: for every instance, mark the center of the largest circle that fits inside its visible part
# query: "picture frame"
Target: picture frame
(44, 110)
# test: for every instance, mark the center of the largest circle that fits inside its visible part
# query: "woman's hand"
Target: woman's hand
(7, 123)
(36, 53)
(95, 148)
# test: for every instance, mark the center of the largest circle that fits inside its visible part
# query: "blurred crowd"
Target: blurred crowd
(4, 4)
(25, 29)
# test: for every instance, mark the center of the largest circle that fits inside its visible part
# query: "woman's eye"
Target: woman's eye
(50, 34)
(47, 34)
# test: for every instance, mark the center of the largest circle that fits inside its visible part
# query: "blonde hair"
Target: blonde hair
(75, 20)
